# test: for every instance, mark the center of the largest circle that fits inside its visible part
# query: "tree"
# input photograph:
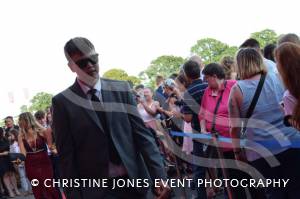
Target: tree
(119, 74)
(212, 50)
(2, 123)
(134, 80)
(40, 101)
(265, 37)
(231, 51)
(164, 65)
(24, 108)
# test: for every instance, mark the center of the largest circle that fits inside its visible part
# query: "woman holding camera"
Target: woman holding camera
(147, 108)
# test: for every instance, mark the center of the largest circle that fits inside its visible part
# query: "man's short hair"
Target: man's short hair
(39, 115)
(191, 69)
(250, 43)
(140, 86)
(269, 52)
(78, 45)
(214, 69)
(197, 59)
(173, 76)
(159, 79)
(290, 37)
(9, 117)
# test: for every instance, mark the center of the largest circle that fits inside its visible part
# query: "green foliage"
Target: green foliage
(118, 74)
(164, 65)
(2, 124)
(264, 37)
(212, 50)
(134, 80)
(231, 51)
(24, 108)
(40, 101)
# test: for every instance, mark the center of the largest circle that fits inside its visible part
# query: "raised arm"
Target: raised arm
(21, 143)
(235, 102)
(150, 110)
(47, 134)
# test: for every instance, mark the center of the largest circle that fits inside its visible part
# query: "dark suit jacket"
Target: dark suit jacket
(81, 144)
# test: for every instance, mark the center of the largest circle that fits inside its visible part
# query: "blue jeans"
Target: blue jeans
(199, 171)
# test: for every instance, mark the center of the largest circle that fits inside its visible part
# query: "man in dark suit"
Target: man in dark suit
(9, 124)
(99, 134)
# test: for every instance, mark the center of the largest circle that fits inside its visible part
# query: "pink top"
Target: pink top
(208, 105)
(187, 145)
(289, 102)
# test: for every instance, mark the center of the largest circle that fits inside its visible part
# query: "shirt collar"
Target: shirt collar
(85, 88)
(210, 91)
(197, 81)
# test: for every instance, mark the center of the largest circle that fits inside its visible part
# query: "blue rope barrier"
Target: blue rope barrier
(270, 144)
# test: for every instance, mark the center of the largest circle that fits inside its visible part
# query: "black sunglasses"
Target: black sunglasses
(82, 63)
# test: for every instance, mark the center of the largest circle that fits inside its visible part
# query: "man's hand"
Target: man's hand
(54, 151)
(176, 114)
(161, 191)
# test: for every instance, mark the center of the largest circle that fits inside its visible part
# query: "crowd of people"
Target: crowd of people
(253, 96)
(217, 98)
(33, 139)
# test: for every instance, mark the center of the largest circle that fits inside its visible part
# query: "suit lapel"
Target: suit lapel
(89, 110)
(107, 101)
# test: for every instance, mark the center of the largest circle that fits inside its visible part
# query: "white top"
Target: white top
(271, 66)
(14, 148)
(144, 114)
(289, 103)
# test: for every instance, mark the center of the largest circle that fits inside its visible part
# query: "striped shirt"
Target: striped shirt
(192, 102)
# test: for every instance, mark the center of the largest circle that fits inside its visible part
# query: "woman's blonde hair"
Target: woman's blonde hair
(227, 62)
(249, 63)
(31, 122)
